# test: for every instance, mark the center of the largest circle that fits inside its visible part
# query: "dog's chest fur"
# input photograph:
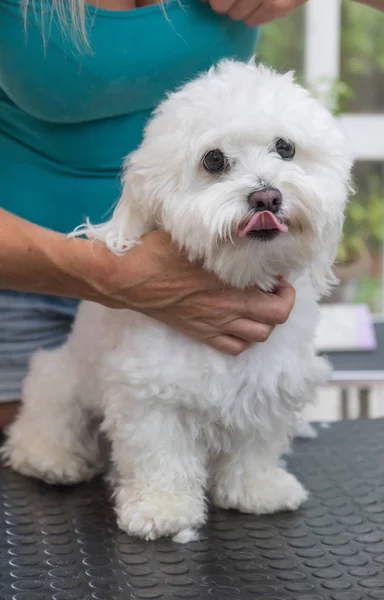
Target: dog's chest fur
(157, 365)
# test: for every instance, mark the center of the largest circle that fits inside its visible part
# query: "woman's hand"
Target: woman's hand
(153, 278)
(156, 280)
(255, 12)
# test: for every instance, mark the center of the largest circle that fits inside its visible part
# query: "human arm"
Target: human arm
(35, 259)
(153, 278)
(257, 12)
(378, 4)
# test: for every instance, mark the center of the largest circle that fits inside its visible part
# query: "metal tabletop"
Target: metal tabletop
(63, 544)
(360, 368)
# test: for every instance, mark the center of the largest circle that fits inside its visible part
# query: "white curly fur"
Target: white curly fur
(183, 419)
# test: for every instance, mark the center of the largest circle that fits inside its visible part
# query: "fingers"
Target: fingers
(264, 14)
(259, 16)
(271, 309)
(242, 333)
(222, 6)
(255, 12)
(228, 344)
(287, 295)
(270, 10)
(249, 331)
(242, 9)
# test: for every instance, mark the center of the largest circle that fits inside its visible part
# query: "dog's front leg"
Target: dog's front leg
(160, 473)
(248, 478)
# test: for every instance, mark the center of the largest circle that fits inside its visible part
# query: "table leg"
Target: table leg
(344, 403)
(364, 403)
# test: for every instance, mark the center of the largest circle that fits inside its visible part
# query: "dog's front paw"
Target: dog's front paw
(154, 513)
(261, 494)
(43, 459)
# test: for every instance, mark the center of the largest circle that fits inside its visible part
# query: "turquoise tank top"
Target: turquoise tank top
(68, 117)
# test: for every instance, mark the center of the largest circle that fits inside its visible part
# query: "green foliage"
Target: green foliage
(364, 224)
(340, 95)
(368, 291)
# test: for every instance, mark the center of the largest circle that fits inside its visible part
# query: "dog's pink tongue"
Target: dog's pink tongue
(261, 221)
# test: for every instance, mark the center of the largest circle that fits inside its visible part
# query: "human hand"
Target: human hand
(255, 12)
(155, 279)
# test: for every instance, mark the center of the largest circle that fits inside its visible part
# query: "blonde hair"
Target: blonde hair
(70, 13)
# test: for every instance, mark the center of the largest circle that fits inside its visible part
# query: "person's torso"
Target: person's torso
(68, 117)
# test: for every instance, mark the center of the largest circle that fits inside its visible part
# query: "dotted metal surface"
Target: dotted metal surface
(62, 544)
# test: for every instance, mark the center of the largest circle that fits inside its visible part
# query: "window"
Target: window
(362, 102)
(337, 49)
(360, 261)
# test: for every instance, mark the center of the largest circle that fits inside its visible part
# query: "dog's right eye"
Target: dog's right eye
(215, 161)
(285, 149)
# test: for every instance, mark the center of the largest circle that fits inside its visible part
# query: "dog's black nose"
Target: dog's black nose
(268, 199)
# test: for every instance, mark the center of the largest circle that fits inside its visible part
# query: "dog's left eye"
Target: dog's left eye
(215, 161)
(285, 149)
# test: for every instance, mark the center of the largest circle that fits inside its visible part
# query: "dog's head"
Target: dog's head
(246, 171)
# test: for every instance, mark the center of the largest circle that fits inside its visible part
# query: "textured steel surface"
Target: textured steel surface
(62, 544)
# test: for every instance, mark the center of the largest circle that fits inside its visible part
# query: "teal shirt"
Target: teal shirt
(68, 117)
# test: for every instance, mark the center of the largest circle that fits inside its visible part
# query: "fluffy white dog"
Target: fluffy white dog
(249, 174)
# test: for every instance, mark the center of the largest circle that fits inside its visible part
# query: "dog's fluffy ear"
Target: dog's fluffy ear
(335, 191)
(324, 256)
(128, 222)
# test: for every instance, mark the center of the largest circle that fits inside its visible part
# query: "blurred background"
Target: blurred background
(336, 48)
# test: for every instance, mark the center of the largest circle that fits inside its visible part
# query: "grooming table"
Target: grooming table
(361, 370)
(63, 544)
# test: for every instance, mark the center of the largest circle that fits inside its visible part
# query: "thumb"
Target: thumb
(285, 290)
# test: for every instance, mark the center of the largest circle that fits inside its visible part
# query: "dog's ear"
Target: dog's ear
(290, 76)
(325, 252)
(129, 221)
(324, 257)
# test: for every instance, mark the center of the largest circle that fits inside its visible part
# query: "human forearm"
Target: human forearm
(36, 259)
(379, 4)
(153, 278)
(255, 12)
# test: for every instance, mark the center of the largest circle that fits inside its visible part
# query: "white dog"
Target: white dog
(249, 174)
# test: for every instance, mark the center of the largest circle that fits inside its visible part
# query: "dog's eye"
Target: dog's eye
(215, 161)
(285, 149)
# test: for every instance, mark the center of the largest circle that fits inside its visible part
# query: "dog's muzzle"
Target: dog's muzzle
(266, 206)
